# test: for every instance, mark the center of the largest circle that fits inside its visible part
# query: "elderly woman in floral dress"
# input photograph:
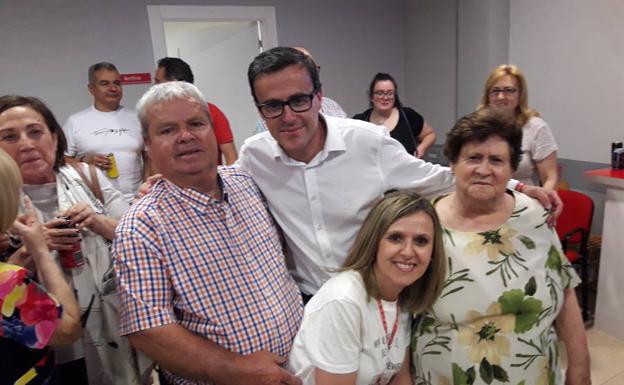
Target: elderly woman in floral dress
(509, 293)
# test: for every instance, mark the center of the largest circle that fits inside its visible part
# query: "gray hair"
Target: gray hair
(167, 92)
(100, 66)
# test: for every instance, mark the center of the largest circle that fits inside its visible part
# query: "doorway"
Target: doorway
(218, 42)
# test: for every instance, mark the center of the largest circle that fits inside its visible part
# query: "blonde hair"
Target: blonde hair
(421, 294)
(523, 113)
(9, 191)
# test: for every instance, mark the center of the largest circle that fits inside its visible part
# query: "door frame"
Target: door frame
(158, 14)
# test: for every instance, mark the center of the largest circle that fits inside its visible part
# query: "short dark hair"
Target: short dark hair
(100, 66)
(10, 101)
(176, 69)
(278, 58)
(478, 127)
(379, 77)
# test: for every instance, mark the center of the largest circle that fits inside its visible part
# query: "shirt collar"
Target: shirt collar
(333, 143)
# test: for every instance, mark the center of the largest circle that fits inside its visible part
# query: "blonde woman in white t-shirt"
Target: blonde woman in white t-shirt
(356, 329)
(506, 90)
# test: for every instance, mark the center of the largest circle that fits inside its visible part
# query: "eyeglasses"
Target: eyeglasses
(297, 103)
(383, 94)
(507, 91)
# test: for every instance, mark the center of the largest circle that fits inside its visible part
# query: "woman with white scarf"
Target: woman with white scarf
(66, 197)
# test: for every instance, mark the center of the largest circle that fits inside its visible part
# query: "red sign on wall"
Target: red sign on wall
(139, 78)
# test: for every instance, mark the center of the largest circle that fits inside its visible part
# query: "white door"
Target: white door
(218, 43)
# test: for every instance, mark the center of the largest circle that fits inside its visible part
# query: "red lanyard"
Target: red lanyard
(382, 314)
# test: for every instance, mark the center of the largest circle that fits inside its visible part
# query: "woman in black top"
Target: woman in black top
(405, 125)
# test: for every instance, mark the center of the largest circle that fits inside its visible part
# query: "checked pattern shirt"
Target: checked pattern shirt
(215, 267)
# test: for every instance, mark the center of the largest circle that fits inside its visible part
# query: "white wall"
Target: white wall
(451, 46)
(572, 52)
(431, 62)
(482, 44)
(46, 47)
(351, 40)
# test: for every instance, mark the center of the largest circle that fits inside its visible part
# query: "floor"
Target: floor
(607, 358)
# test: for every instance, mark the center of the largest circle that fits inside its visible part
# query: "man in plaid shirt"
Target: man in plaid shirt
(204, 287)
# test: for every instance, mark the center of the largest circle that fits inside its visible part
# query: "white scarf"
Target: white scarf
(71, 189)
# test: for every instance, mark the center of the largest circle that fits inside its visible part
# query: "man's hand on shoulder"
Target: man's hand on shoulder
(547, 198)
(260, 368)
(146, 186)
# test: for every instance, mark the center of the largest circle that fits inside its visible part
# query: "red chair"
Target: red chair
(573, 227)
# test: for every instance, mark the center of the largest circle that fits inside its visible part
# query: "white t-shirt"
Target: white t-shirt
(342, 333)
(537, 143)
(117, 132)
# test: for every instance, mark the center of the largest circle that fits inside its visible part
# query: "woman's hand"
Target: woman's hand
(60, 235)
(31, 232)
(82, 216)
(100, 161)
(426, 138)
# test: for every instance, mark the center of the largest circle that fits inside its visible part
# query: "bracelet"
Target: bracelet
(520, 187)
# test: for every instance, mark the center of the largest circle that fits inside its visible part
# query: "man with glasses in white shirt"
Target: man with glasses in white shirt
(321, 175)
(328, 106)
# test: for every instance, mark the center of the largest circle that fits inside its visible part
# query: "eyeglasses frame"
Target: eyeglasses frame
(310, 96)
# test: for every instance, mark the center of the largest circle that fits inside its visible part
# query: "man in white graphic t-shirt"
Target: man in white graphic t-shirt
(106, 128)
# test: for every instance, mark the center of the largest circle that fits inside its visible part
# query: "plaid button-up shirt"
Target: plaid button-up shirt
(215, 267)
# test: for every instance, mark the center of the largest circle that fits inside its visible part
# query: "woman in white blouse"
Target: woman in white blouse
(506, 89)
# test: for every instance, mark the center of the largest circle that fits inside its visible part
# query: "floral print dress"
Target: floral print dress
(494, 321)
(29, 318)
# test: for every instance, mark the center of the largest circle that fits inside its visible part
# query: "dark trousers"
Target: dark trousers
(73, 372)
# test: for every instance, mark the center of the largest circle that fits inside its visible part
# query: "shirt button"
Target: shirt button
(313, 198)
(319, 227)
